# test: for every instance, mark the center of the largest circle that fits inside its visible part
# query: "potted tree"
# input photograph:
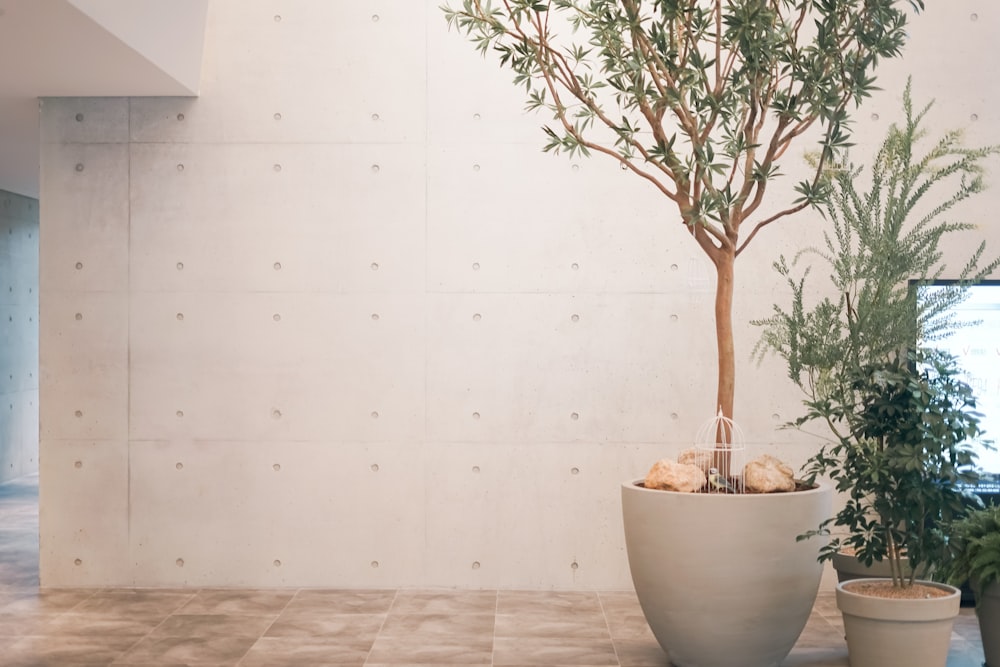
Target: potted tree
(898, 416)
(975, 558)
(703, 100)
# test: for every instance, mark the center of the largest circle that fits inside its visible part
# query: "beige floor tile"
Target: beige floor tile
(324, 625)
(516, 602)
(76, 624)
(444, 602)
(566, 625)
(65, 649)
(553, 651)
(130, 603)
(431, 650)
(343, 602)
(45, 601)
(640, 653)
(189, 650)
(298, 652)
(237, 602)
(212, 625)
(477, 626)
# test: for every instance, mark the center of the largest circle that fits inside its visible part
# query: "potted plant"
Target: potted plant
(703, 100)
(975, 558)
(902, 466)
(898, 416)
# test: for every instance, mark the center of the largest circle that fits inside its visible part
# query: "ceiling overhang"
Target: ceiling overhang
(88, 48)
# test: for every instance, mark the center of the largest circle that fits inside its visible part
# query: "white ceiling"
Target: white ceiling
(88, 48)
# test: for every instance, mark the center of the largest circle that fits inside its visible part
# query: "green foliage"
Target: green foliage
(899, 419)
(975, 548)
(901, 462)
(881, 238)
(700, 97)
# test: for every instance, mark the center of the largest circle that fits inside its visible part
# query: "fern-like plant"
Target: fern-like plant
(975, 548)
(897, 423)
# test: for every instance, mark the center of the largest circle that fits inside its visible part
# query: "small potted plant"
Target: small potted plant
(975, 551)
(902, 465)
(897, 419)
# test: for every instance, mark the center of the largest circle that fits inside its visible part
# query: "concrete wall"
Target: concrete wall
(18, 335)
(320, 326)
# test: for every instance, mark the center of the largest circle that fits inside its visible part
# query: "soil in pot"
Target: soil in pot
(885, 589)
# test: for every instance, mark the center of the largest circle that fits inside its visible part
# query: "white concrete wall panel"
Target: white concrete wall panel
(294, 366)
(84, 512)
(334, 332)
(277, 217)
(86, 208)
(83, 353)
(272, 79)
(284, 513)
(19, 220)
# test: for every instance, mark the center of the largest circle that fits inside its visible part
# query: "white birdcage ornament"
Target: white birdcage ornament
(722, 448)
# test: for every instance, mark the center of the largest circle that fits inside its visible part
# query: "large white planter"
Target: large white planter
(721, 578)
(893, 631)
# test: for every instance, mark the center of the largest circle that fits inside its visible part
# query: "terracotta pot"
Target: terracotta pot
(895, 631)
(722, 575)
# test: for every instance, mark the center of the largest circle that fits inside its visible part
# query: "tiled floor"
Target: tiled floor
(305, 628)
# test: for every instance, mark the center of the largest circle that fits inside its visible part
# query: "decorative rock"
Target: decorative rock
(698, 457)
(668, 475)
(766, 474)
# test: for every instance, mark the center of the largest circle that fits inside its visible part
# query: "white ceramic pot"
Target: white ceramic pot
(849, 567)
(894, 631)
(721, 578)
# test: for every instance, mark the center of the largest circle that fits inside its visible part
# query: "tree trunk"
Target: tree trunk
(724, 266)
